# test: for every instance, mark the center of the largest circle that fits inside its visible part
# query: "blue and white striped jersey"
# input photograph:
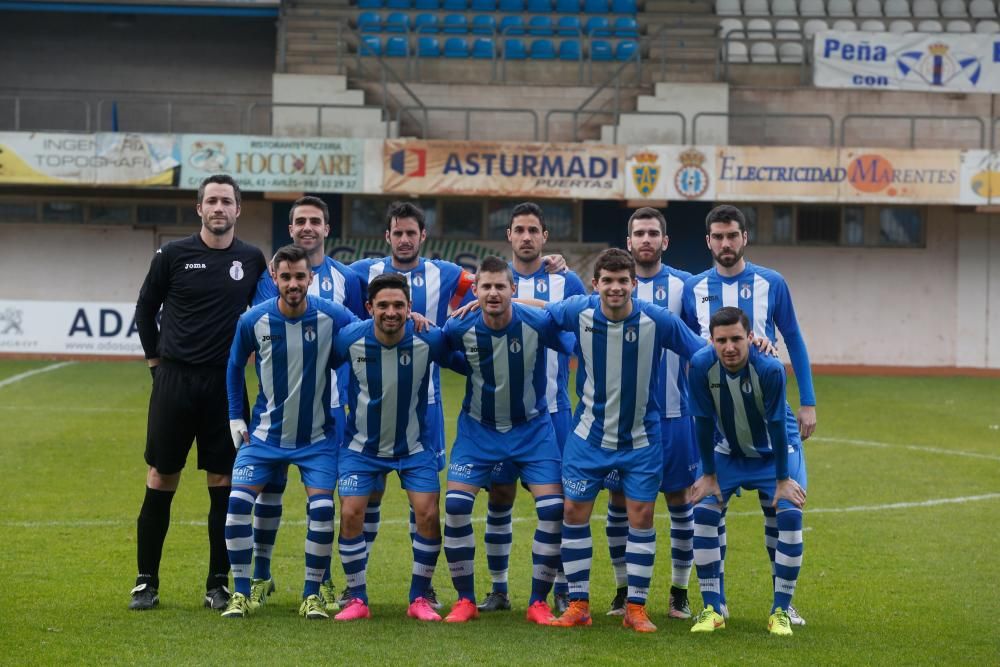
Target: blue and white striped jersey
(551, 287)
(293, 361)
(436, 287)
(742, 404)
(507, 369)
(666, 289)
(619, 368)
(334, 282)
(387, 392)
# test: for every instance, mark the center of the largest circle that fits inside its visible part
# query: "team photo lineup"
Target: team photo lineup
(679, 392)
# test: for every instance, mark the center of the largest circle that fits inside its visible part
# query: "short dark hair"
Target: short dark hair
(387, 281)
(725, 213)
(727, 316)
(221, 179)
(527, 208)
(494, 264)
(403, 209)
(614, 259)
(648, 213)
(289, 253)
(309, 200)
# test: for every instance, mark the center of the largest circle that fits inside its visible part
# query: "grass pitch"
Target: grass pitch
(900, 550)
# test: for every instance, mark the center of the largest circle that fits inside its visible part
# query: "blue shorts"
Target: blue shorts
(508, 472)
(360, 473)
(562, 422)
(258, 463)
(586, 466)
(528, 448)
(681, 459)
(435, 432)
(339, 424)
(734, 472)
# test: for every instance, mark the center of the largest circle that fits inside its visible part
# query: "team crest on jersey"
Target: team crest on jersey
(541, 286)
(631, 335)
(310, 333)
(747, 387)
(515, 345)
(646, 172)
(691, 180)
(746, 292)
(660, 294)
(326, 285)
(404, 359)
(418, 281)
(236, 270)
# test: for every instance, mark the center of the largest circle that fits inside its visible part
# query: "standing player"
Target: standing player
(741, 392)
(528, 234)
(617, 427)
(204, 283)
(504, 420)
(389, 430)
(764, 296)
(309, 226)
(291, 339)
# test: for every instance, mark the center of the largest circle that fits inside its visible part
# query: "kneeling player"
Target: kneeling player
(743, 392)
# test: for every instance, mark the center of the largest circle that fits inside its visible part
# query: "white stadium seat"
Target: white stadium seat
(925, 9)
(759, 28)
(872, 25)
(845, 24)
(869, 8)
(930, 25)
(791, 52)
(988, 27)
(756, 8)
(840, 8)
(812, 26)
(982, 9)
(736, 52)
(901, 26)
(728, 8)
(954, 9)
(787, 29)
(899, 8)
(784, 8)
(727, 26)
(763, 52)
(812, 8)
(959, 26)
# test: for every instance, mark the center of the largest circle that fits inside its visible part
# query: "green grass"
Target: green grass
(914, 584)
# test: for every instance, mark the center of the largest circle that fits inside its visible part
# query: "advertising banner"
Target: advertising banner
(69, 327)
(676, 173)
(941, 63)
(503, 169)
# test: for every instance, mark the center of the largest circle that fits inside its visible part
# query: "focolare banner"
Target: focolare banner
(775, 173)
(569, 171)
(942, 63)
(68, 327)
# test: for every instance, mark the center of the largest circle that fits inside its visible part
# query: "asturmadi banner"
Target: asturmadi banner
(940, 63)
(275, 164)
(88, 159)
(68, 327)
(503, 169)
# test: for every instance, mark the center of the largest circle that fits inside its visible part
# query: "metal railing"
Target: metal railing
(168, 107)
(17, 103)
(913, 119)
(728, 55)
(247, 124)
(467, 111)
(666, 114)
(764, 116)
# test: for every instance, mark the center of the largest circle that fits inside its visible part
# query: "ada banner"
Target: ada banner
(88, 159)
(68, 327)
(569, 171)
(275, 164)
(942, 63)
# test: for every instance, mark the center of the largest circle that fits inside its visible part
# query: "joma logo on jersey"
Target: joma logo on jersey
(271, 338)
(714, 385)
(588, 329)
(363, 360)
(463, 470)
(710, 297)
(195, 266)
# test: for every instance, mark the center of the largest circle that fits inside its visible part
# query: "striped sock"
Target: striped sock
(319, 541)
(239, 536)
(546, 545)
(373, 519)
(499, 537)
(788, 560)
(266, 519)
(577, 557)
(681, 543)
(640, 555)
(460, 542)
(425, 558)
(722, 555)
(707, 553)
(617, 532)
(561, 587)
(413, 524)
(354, 562)
(770, 527)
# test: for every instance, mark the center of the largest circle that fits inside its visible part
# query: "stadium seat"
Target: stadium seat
(568, 6)
(369, 4)
(595, 6)
(601, 50)
(397, 47)
(845, 24)
(540, 25)
(425, 24)
(511, 25)
(897, 8)
(756, 8)
(869, 8)
(427, 4)
(982, 9)
(958, 26)
(736, 52)
(627, 49)
(397, 4)
(428, 47)
(626, 26)
(730, 8)
(369, 22)
(791, 52)
(954, 9)
(454, 5)
(930, 25)
(539, 6)
(787, 29)
(728, 26)
(513, 49)
(812, 8)
(396, 22)
(901, 27)
(456, 47)
(569, 49)
(484, 5)
(925, 9)
(837, 8)
(812, 26)
(597, 26)
(872, 25)
(759, 28)
(988, 27)
(484, 47)
(371, 45)
(483, 24)
(511, 6)
(784, 8)
(454, 24)
(569, 25)
(624, 7)
(542, 49)
(763, 52)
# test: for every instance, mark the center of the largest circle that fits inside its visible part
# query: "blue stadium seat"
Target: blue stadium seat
(624, 7)
(454, 24)
(371, 45)
(397, 47)
(597, 26)
(568, 6)
(626, 49)
(539, 6)
(428, 47)
(396, 22)
(513, 49)
(397, 4)
(569, 49)
(369, 4)
(569, 25)
(540, 25)
(455, 5)
(484, 5)
(512, 25)
(483, 24)
(369, 22)
(601, 50)
(425, 24)
(483, 47)
(426, 4)
(511, 6)
(456, 47)
(543, 49)
(595, 6)
(626, 27)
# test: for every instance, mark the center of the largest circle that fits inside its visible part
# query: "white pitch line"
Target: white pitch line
(27, 374)
(915, 448)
